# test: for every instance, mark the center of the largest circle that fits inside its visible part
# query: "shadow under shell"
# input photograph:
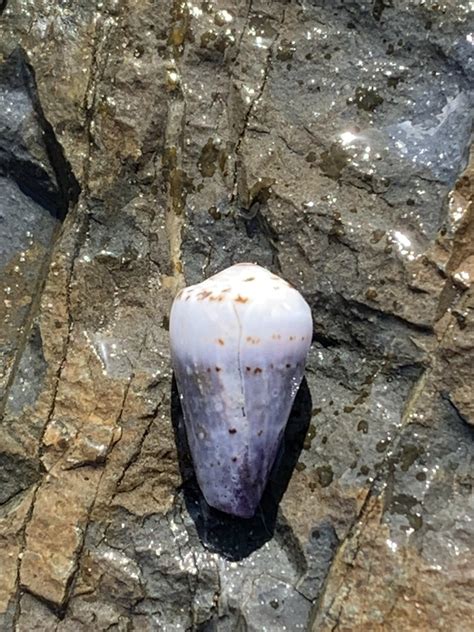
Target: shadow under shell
(232, 537)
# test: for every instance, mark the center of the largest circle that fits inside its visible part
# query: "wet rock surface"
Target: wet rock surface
(146, 145)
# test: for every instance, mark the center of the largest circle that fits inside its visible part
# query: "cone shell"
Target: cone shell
(239, 342)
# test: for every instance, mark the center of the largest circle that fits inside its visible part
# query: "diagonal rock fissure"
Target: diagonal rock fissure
(260, 90)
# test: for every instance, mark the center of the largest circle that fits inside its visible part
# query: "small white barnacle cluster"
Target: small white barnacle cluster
(239, 342)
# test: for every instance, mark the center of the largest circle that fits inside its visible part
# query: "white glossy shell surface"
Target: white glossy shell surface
(239, 341)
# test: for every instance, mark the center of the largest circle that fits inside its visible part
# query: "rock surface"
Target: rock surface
(145, 145)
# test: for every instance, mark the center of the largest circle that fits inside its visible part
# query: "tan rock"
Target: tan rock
(12, 522)
(378, 585)
(55, 532)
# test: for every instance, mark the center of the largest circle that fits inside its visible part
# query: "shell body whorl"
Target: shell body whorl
(239, 341)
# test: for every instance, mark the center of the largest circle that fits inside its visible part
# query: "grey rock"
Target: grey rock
(36, 186)
(323, 140)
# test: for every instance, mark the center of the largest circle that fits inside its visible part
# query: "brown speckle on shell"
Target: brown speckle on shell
(241, 299)
(253, 341)
(220, 341)
(257, 370)
(203, 294)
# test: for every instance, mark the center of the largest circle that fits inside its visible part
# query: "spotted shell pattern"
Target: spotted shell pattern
(239, 342)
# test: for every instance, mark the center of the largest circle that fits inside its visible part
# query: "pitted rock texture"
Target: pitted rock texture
(145, 145)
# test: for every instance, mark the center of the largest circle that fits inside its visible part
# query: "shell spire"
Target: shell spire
(239, 342)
